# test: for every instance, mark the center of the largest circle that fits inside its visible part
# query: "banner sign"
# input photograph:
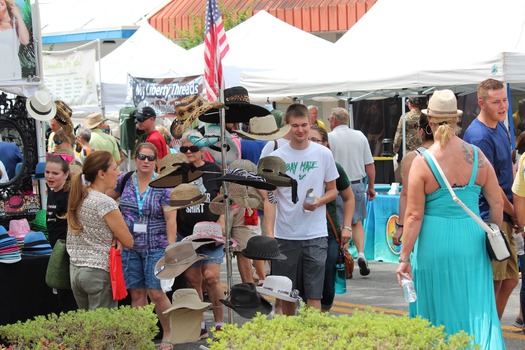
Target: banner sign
(70, 76)
(161, 94)
(17, 47)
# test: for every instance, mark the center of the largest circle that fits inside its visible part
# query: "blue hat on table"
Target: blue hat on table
(9, 252)
(36, 244)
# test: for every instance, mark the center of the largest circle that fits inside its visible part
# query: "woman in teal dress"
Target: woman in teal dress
(444, 249)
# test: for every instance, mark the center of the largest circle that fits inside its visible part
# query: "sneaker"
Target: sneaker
(518, 323)
(364, 270)
(204, 333)
(217, 330)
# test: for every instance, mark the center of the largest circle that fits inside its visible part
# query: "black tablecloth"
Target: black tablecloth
(24, 292)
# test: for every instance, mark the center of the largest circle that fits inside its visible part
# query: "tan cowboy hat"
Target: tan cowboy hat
(265, 129)
(187, 111)
(243, 196)
(40, 106)
(174, 170)
(443, 104)
(183, 196)
(177, 258)
(93, 120)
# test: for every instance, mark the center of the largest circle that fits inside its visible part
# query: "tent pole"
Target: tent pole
(403, 111)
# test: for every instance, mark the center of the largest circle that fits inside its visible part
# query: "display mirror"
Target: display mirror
(12, 150)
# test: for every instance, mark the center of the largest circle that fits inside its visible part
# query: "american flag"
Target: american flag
(215, 48)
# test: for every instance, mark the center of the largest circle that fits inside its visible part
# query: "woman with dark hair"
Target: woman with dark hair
(94, 225)
(13, 32)
(426, 137)
(319, 135)
(58, 181)
(153, 229)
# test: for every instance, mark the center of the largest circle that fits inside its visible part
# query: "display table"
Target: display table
(24, 292)
(384, 170)
(382, 214)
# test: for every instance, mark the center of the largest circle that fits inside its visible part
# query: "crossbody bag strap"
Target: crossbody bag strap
(333, 227)
(455, 198)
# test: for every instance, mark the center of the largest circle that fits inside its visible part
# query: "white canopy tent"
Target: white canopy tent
(410, 44)
(146, 54)
(262, 43)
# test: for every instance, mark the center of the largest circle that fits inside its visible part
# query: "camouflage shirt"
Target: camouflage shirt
(412, 140)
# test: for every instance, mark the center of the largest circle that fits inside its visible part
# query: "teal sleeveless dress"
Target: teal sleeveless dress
(452, 271)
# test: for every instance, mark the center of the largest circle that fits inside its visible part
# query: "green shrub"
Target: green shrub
(122, 328)
(320, 331)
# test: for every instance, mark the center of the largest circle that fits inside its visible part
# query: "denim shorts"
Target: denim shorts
(216, 253)
(139, 268)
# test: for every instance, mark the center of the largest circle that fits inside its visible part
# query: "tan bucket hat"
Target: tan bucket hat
(265, 129)
(174, 170)
(443, 104)
(243, 196)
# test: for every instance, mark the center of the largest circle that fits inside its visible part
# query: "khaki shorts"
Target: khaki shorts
(239, 231)
(507, 269)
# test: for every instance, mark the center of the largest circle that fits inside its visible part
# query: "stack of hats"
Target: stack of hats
(36, 244)
(9, 252)
(39, 223)
(18, 229)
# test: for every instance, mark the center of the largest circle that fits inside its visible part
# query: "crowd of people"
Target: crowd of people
(457, 284)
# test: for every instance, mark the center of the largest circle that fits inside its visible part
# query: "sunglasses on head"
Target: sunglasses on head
(142, 119)
(141, 156)
(192, 149)
(58, 142)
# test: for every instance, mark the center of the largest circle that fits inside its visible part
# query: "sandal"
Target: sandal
(166, 345)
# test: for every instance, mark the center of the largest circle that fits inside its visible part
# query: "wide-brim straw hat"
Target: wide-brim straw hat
(264, 129)
(184, 196)
(243, 196)
(93, 120)
(175, 170)
(239, 110)
(178, 257)
(443, 105)
(273, 169)
(186, 298)
(263, 248)
(40, 106)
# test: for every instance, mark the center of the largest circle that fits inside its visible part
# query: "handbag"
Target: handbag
(116, 274)
(57, 273)
(497, 244)
(349, 259)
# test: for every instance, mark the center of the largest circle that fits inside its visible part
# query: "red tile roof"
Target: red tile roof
(309, 15)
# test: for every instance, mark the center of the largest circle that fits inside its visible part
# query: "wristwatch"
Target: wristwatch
(401, 260)
(346, 227)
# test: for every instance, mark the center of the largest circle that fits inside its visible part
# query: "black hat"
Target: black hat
(246, 178)
(245, 300)
(263, 248)
(146, 112)
(238, 108)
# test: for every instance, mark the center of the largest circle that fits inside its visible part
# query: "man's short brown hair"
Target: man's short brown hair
(296, 110)
(486, 85)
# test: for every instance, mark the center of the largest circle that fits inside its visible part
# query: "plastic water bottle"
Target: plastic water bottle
(309, 199)
(340, 275)
(518, 238)
(409, 290)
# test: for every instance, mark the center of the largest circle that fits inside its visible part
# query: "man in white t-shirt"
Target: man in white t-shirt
(351, 149)
(300, 228)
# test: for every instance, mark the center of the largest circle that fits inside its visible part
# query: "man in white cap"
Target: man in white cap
(99, 139)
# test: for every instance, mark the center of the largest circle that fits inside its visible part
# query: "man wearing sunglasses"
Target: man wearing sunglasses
(146, 122)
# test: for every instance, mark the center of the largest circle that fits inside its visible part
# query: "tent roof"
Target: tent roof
(435, 43)
(253, 47)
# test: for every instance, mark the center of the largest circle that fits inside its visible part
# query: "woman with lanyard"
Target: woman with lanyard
(153, 229)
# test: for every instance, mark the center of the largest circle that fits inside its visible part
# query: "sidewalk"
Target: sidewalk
(380, 291)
